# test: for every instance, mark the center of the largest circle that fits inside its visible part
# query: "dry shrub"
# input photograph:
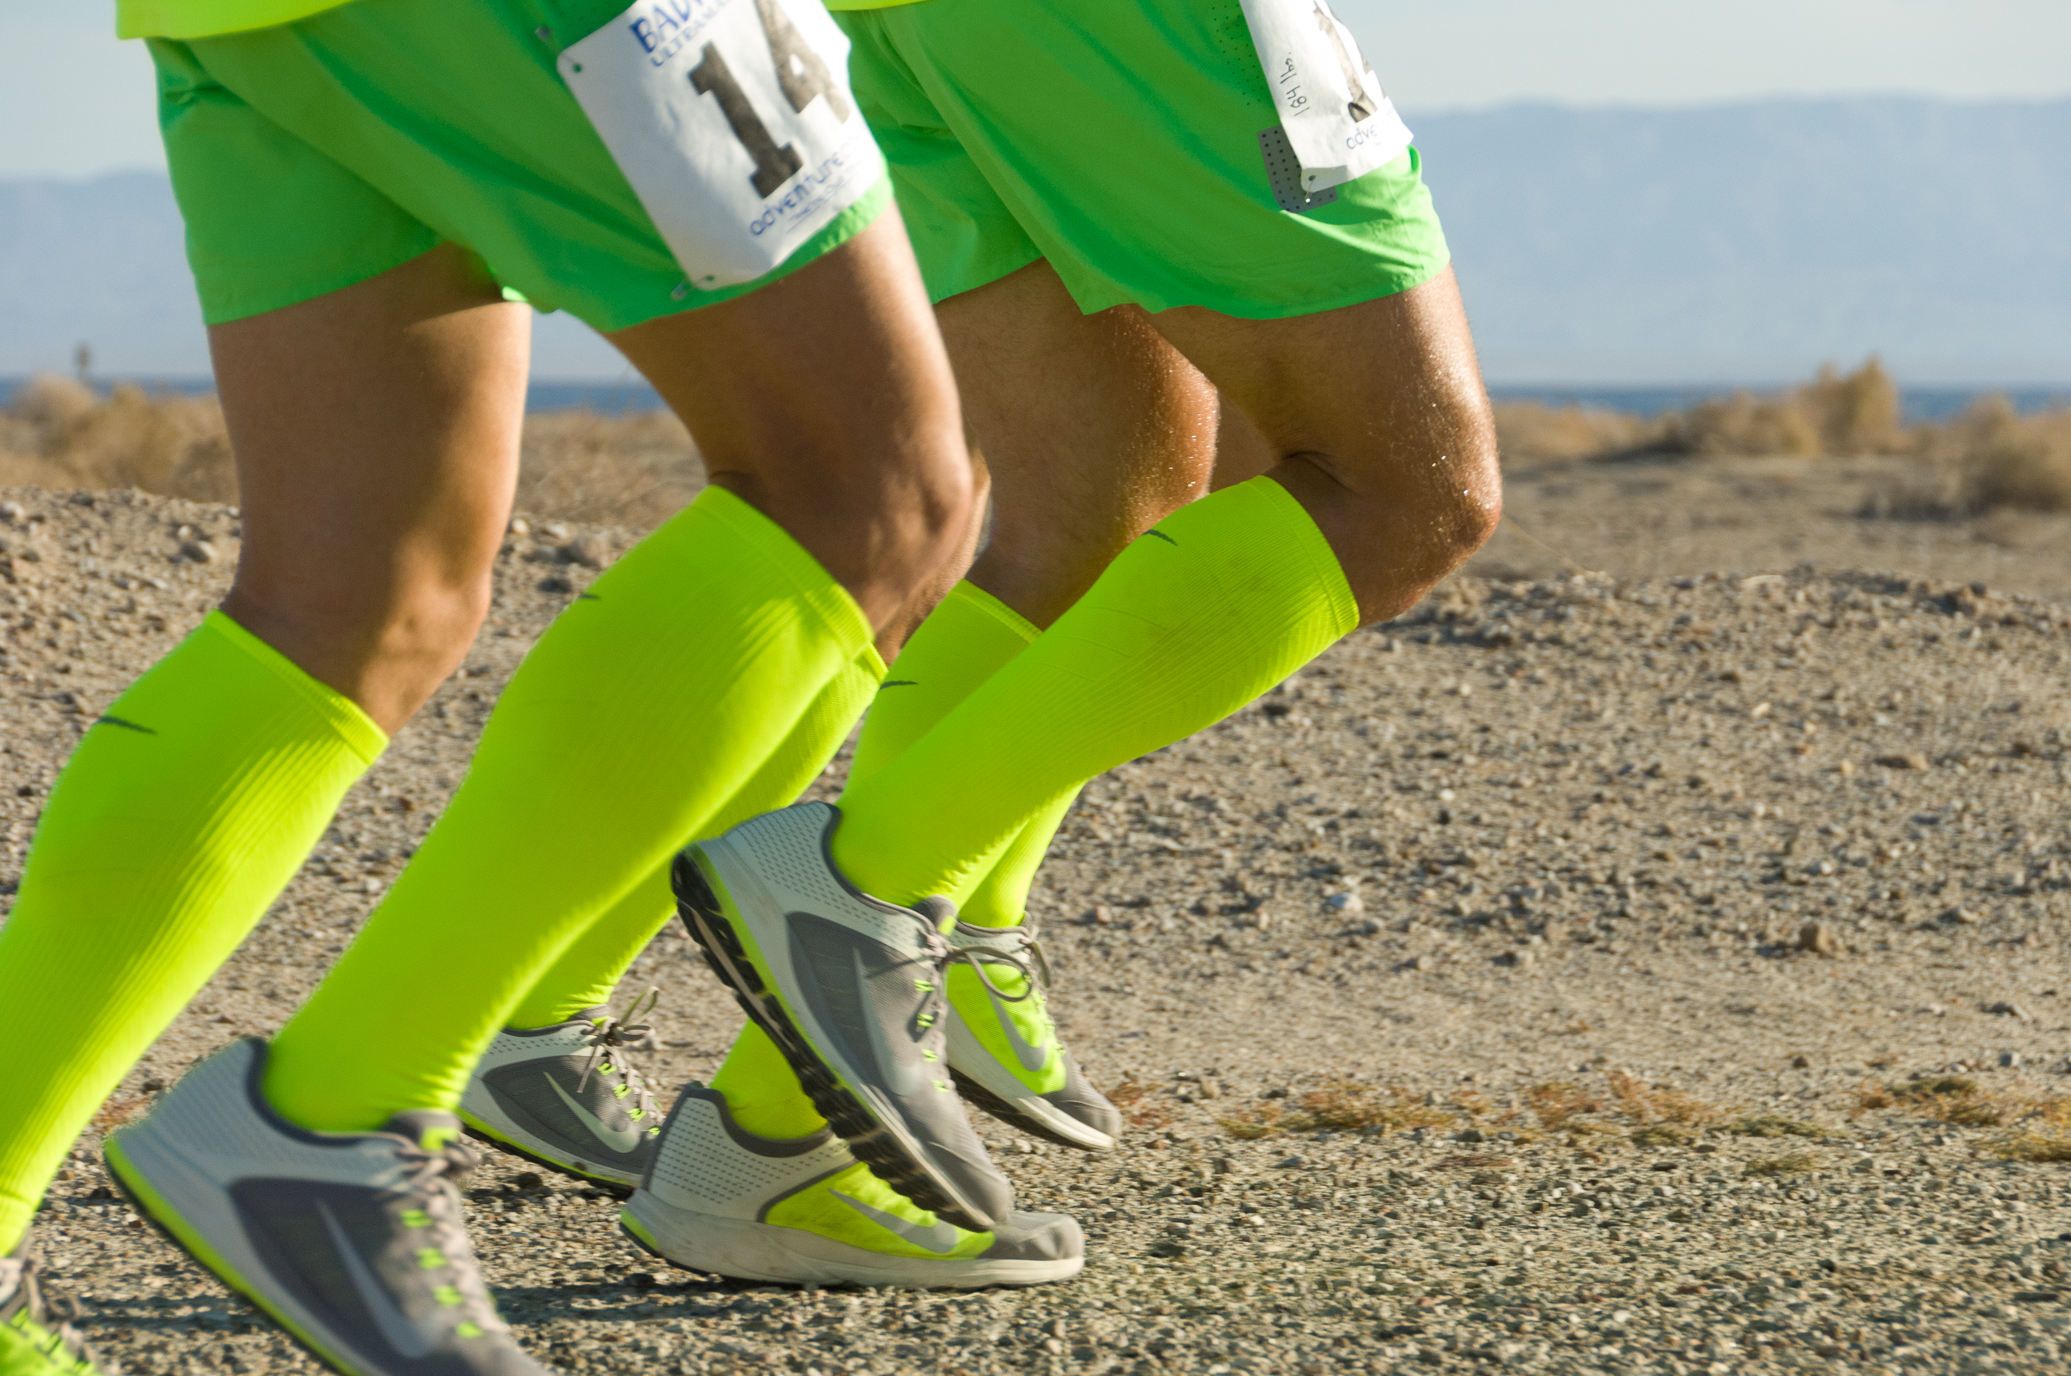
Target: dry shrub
(59, 434)
(1945, 1099)
(1992, 458)
(1558, 1106)
(1647, 1104)
(1342, 1107)
(1132, 1098)
(2032, 1146)
(635, 470)
(1534, 430)
(1836, 413)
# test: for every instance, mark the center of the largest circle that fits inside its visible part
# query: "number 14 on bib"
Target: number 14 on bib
(1338, 121)
(733, 121)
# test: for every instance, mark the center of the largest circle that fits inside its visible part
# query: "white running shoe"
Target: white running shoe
(567, 1097)
(851, 990)
(1004, 1053)
(804, 1211)
(352, 1241)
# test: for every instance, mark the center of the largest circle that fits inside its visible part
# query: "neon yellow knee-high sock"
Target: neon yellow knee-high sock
(590, 969)
(1198, 616)
(650, 702)
(961, 644)
(177, 821)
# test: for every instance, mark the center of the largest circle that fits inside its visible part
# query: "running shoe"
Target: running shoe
(352, 1241)
(567, 1097)
(31, 1342)
(851, 989)
(1004, 1054)
(804, 1211)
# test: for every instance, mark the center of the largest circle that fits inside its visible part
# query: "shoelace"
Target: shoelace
(622, 1031)
(30, 1298)
(428, 1189)
(1035, 973)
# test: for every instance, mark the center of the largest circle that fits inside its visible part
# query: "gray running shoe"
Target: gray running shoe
(31, 1342)
(567, 1097)
(352, 1241)
(851, 989)
(804, 1211)
(1004, 1053)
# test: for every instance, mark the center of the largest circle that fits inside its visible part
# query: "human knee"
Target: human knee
(385, 643)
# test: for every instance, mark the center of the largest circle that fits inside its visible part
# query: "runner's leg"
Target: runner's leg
(822, 399)
(376, 436)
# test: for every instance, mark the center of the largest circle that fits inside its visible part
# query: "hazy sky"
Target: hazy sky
(77, 102)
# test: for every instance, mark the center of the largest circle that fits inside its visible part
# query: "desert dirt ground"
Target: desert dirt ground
(1649, 955)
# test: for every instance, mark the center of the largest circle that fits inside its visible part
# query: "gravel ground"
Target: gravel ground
(1575, 975)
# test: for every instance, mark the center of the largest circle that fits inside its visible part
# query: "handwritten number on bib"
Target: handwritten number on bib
(775, 163)
(802, 74)
(800, 69)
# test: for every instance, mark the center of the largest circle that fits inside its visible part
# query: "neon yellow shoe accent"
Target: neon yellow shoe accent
(1013, 1025)
(857, 1208)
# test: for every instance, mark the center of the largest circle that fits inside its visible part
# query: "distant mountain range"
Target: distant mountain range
(1738, 243)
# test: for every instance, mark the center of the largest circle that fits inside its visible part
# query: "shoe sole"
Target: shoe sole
(1033, 1117)
(156, 1211)
(764, 1252)
(484, 1132)
(882, 1146)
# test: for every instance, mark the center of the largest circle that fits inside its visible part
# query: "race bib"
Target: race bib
(734, 123)
(1339, 123)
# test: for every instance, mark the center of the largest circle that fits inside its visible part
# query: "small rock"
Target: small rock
(12, 512)
(1210, 1090)
(1101, 916)
(1345, 903)
(1913, 761)
(592, 551)
(520, 526)
(553, 530)
(2005, 1010)
(200, 551)
(2010, 1060)
(1819, 939)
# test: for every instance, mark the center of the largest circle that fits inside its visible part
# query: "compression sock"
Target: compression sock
(650, 702)
(178, 820)
(589, 970)
(763, 1091)
(1198, 616)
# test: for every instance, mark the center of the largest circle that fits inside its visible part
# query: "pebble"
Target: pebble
(1819, 939)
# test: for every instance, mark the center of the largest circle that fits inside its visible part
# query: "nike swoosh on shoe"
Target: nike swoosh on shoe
(1032, 1058)
(937, 1237)
(401, 1334)
(621, 1140)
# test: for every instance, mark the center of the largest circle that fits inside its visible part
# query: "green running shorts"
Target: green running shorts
(1127, 142)
(313, 155)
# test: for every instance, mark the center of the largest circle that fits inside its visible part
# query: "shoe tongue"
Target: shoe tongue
(937, 910)
(427, 1127)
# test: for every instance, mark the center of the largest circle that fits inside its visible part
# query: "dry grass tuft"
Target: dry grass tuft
(1962, 1102)
(1648, 1104)
(1835, 413)
(57, 433)
(634, 470)
(1534, 430)
(1342, 1107)
(1991, 458)
(1132, 1097)
(1559, 1105)
(2029, 1145)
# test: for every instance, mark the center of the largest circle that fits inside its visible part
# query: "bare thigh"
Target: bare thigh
(1376, 420)
(1093, 428)
(376, 432)
(825, 401)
